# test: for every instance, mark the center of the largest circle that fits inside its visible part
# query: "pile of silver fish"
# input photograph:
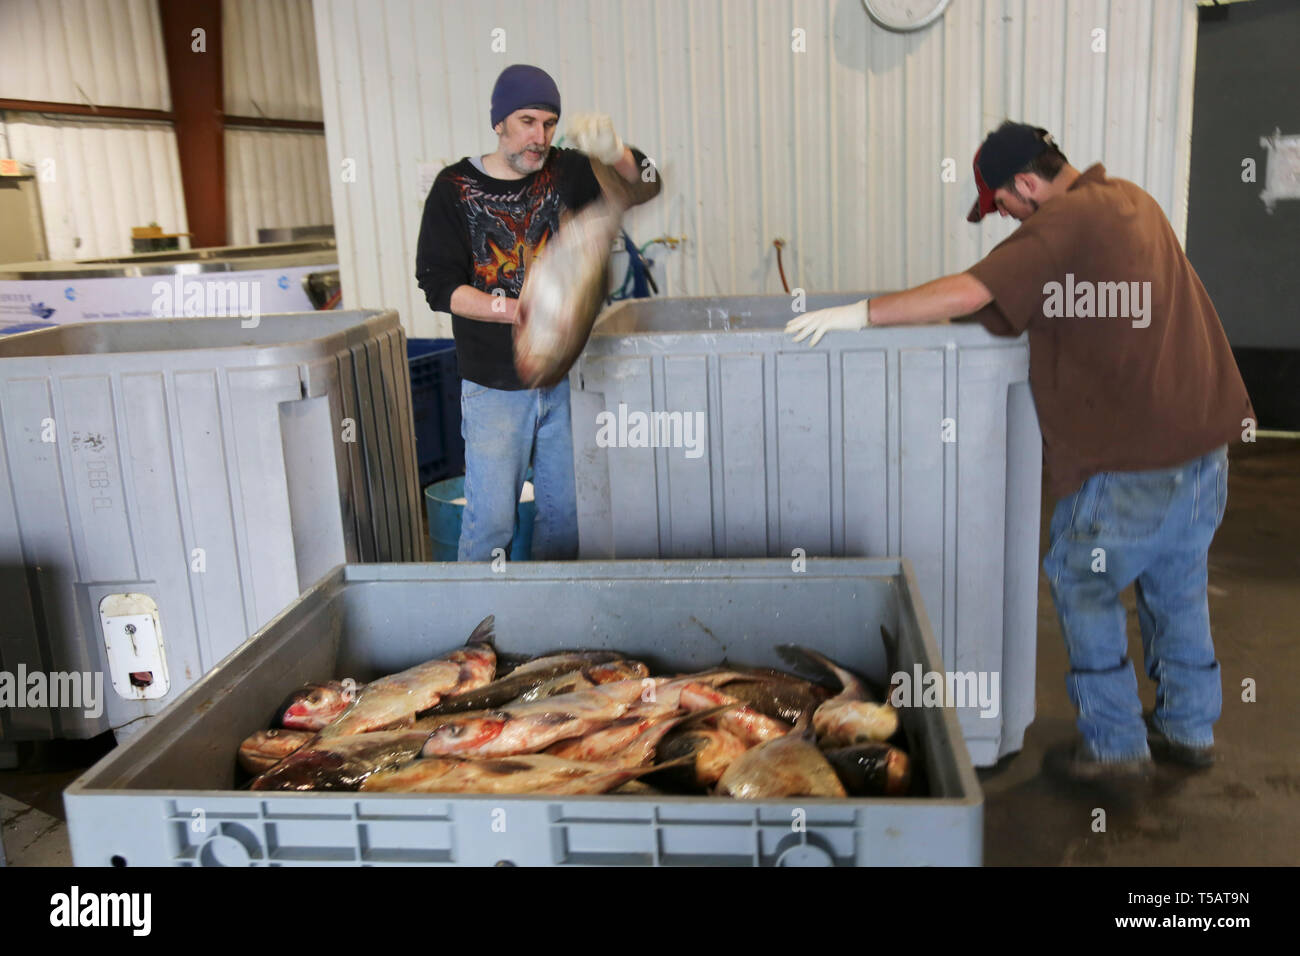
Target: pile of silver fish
(586, 722)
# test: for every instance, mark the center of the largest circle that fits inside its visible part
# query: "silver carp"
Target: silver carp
(788, 766)
(264, 749)
(631, 740)
(521, 680)
(849, 718)
(393, 701)
(873, 769)
(565, 287)
(528, 728)
(342, 763)
(523, 773)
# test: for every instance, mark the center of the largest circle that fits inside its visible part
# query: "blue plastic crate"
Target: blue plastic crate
(435, 408)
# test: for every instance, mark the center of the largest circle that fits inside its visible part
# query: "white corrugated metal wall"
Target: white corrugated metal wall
(839, 149)
(105, 52)
(270, 59)
(97, 179)
(273, 178)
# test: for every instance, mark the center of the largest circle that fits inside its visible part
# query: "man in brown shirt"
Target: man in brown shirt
(1137, 396)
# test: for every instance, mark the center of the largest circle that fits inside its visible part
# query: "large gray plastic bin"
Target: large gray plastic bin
(181, 434)
(164, 798)
(920, 441)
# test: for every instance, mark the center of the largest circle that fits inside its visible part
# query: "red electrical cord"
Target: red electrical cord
(780, 244)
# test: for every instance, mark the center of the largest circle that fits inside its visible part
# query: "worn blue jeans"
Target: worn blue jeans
(504, 433)
(1151, 529)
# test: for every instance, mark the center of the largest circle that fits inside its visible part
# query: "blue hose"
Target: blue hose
(637, 275)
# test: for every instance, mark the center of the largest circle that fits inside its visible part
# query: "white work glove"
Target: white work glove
(593, 134)
(841, 318)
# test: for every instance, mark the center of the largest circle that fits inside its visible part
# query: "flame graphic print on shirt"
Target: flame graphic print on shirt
(509, 230)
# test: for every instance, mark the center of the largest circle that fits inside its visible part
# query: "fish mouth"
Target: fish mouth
(298, 717)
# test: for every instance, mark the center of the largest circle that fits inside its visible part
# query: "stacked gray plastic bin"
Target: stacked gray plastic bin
(178, 482)
(168, 797)
(920, 441)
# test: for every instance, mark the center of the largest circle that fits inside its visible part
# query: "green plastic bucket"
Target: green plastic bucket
(440, 500)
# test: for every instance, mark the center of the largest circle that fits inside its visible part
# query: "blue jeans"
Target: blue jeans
(504, 433)
(1151, 529)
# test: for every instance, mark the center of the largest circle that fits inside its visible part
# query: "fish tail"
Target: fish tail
(807, 658)
(848, 681)
(620, 193)
(633, 773)
(804, 727)
(891, 648)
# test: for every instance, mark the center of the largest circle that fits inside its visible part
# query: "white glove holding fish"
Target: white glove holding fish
(593, 134)
(840, 318)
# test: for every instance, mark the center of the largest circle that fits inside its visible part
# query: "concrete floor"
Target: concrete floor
(1243, 812)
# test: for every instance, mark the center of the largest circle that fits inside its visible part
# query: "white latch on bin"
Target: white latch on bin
(133, 637)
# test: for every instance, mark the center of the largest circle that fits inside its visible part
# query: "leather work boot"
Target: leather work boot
(1198, 758)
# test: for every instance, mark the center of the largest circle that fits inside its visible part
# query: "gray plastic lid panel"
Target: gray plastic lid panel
(195, 342)
(194, 262)
(623, 326)
(212, 448)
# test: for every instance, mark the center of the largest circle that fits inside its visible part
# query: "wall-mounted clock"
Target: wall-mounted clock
(904, 16)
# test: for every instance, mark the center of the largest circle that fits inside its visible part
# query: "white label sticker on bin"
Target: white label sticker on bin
(135, 656)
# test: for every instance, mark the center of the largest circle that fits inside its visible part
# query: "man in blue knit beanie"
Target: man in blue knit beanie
(485, 218)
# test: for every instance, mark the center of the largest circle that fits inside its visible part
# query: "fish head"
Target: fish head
(872, 769)
(613, 671)
(478, 664)
(466, 734)
(309, 770)
(315, 706)
(264, 749)
(843, 723)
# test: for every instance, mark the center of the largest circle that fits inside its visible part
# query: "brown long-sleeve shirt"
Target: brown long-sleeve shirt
(1128, 362)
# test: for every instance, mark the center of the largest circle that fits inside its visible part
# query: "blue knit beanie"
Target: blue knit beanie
(522, 87)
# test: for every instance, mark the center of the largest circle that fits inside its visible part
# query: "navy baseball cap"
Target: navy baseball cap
(1006, 151)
